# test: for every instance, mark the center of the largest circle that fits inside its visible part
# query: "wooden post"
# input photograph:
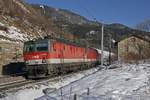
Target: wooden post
(70, 92)
(110, 49)
(75, 97)
(88, 91)
(61, 93)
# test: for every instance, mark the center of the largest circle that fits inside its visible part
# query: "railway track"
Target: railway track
(15, 84)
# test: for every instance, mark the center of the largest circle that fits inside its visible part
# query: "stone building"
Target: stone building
(133, 48)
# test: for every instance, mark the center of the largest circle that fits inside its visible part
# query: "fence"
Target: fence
(88, 96)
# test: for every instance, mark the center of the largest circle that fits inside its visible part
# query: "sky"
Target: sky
(127, 12)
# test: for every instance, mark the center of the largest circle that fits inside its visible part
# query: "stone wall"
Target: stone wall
(133, 48)
(9, 52)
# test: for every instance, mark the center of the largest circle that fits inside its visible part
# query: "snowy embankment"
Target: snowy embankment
(131, 82)
(30, 92)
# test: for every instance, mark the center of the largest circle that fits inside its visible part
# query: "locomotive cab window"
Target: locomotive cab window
(43, 46)
(36, 46)
(29, 48)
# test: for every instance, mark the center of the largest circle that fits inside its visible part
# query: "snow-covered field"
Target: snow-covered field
(30, 92)
(127, 82)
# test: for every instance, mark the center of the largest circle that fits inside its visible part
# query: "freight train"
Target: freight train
(51, 56)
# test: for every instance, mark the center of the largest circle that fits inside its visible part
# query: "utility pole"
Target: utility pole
(110, 41)
(102, 43)
(102, 46)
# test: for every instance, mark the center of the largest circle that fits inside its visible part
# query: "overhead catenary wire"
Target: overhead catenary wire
(86, 10)
(102, 29)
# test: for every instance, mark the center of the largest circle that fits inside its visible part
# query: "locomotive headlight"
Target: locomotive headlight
(36, 57)
(43, 60)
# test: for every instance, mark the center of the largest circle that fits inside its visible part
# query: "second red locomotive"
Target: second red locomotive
(50, 56)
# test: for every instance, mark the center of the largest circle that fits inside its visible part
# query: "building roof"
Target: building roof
(145, 37)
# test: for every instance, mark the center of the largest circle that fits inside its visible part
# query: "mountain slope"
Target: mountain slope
(81, 27)
(28, 20)
(20, 22)
(38, 21)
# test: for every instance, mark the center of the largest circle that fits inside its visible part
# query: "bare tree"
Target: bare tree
(144, 26)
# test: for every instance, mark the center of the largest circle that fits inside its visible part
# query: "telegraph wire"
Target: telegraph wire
(86, 10)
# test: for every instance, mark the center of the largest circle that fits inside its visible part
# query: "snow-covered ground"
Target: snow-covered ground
(127, 82)
(30, 92)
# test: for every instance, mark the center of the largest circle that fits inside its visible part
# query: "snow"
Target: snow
(4, 40)
(129, 82)
(42, 6)
(13, 33)
(1, 24)
(57, 9)
(34, 91)
(92, 32)
(16, 33)
(125, 82)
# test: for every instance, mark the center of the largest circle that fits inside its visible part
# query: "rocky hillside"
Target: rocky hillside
(24, 19)
(20, 22)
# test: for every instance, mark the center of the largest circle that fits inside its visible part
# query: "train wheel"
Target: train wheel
(26, 75)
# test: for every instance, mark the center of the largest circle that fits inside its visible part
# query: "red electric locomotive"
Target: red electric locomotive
(49, 57)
